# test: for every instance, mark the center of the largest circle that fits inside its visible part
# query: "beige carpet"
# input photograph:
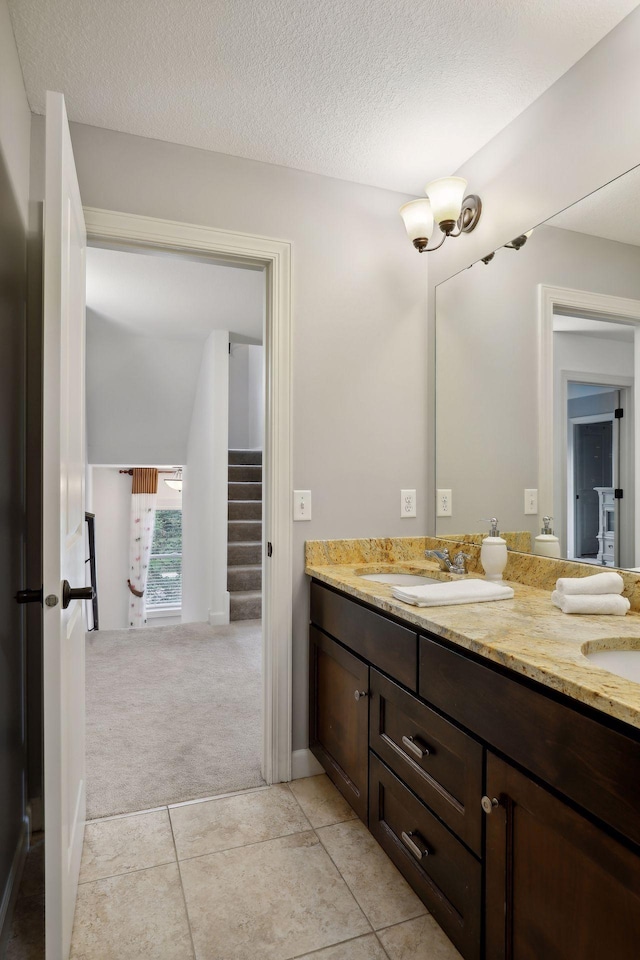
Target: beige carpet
(173, 714)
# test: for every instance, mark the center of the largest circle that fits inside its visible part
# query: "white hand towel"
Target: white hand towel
(610, 604)
(610, 582)
(446, 594)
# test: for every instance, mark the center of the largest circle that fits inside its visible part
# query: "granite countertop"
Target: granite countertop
(527, 634)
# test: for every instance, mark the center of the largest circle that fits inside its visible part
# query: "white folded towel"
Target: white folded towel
(610, 582)
(610, 604)
(457, 591)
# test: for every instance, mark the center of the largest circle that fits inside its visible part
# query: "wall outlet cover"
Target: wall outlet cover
(407, 503)
(444, 504)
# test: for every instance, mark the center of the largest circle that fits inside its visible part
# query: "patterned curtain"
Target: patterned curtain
(144, 493)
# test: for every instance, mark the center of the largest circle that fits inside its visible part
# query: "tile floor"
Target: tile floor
(275, 873)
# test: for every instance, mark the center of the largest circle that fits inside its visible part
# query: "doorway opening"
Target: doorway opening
(174, 673)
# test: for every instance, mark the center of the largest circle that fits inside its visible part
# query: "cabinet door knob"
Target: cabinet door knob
(416, 746)
(360, 693)
(489, 803)
(414, 842)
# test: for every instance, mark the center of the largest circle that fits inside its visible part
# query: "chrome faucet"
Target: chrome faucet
(457, 565)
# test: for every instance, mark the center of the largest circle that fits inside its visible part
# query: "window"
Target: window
(164, 583)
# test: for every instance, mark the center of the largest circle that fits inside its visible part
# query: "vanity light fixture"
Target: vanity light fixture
(516, 244)
(175, 481)
(446, 205)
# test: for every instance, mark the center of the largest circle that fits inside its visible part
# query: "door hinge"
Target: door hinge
(619, 413)
(618, 494)
(269, 549)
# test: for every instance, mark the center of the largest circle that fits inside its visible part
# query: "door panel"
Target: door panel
(63, 528)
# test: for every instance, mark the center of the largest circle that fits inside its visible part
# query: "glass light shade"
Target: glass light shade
(446, 196)
(175, 481)
(418, 219)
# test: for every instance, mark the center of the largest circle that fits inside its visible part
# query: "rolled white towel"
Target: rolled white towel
(451, 592)
(610, 582)
(610, 604)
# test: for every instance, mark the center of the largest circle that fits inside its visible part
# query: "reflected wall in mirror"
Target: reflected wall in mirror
(537, 356)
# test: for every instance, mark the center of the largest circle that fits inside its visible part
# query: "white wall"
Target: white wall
(246, 396)
(140, 393)
(111, 503)
(359, 333)
(15, 115)
(204, 490)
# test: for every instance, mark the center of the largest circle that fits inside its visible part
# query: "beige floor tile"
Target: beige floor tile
(377, 885)
(214, 825)
(119, 846)
(364, 948)
(420, 939)
(321, 801)
(273, 900)
(137, 915)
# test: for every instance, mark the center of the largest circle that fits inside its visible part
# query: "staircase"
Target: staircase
(244, 549)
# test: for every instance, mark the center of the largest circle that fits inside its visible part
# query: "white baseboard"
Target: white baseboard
(221, 617)
(304, 764)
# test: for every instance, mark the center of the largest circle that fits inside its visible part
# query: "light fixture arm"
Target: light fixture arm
(421, 245)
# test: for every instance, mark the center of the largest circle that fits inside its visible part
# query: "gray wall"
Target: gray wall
(359, 334)
(487, 369)
(14, 174)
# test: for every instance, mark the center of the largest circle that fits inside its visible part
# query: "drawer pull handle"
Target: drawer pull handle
(414, 842)
(415, 746)
(360, 693)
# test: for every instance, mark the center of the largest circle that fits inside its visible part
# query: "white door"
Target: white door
(63, 529)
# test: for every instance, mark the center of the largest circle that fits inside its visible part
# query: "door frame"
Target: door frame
(275, 257)
(553, 300)
(570, 483)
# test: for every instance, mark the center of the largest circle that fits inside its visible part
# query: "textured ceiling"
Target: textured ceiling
(173, 297)
(613, 212)
(386, 92)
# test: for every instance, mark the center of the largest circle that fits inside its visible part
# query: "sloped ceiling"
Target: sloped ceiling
(379, 92)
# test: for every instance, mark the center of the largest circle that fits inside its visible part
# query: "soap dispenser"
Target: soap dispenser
(493, 553)
(546, 544)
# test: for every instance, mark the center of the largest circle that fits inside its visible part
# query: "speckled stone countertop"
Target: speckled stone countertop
(527, 634)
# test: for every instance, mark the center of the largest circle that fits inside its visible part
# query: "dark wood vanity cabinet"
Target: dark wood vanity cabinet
(551, 868)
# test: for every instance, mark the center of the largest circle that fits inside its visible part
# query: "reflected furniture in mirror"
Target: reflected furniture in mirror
(537, 356)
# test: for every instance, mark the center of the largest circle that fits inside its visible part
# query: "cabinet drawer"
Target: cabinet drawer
(448, 774)
(382, 642)
(439, 868)
(596, 766)
(338, 723)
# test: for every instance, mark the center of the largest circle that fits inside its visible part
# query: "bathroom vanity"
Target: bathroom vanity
(510, 805)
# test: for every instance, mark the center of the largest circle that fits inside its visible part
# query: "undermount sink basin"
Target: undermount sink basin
(622, 659)
(399, 579)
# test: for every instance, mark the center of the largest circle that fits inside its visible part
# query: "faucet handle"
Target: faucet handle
(460, 562)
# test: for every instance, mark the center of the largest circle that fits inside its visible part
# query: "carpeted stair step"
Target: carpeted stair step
(244, 578)
(245, 509)
(244, 530)
(245, 456)
(246, 605)
(244, 553)
(243, 472)
(245, 491)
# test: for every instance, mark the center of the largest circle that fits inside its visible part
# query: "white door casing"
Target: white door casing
(108, 226)
(63, 529)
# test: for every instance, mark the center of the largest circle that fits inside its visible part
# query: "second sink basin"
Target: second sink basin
(399, 579)
(621, 656)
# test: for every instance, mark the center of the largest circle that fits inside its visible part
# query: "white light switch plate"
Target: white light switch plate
(407, 503)
(302, 504)
(444, 504)
(530, 501)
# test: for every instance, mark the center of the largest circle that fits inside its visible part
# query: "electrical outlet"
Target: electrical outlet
(407, 503)
(302, 504)
(444, 504)
(530, 502)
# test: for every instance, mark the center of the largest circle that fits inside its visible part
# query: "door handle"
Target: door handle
(75, 593)
(29, 596)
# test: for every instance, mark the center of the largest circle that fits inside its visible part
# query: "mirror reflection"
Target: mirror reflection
(537, 352)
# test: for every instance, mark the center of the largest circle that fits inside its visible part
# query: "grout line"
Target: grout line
(344, 879)
(382, 947)
(338, 943)
(123, 816)
(217, 796)
(128, 873)
(184, 896)
(242, 846)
